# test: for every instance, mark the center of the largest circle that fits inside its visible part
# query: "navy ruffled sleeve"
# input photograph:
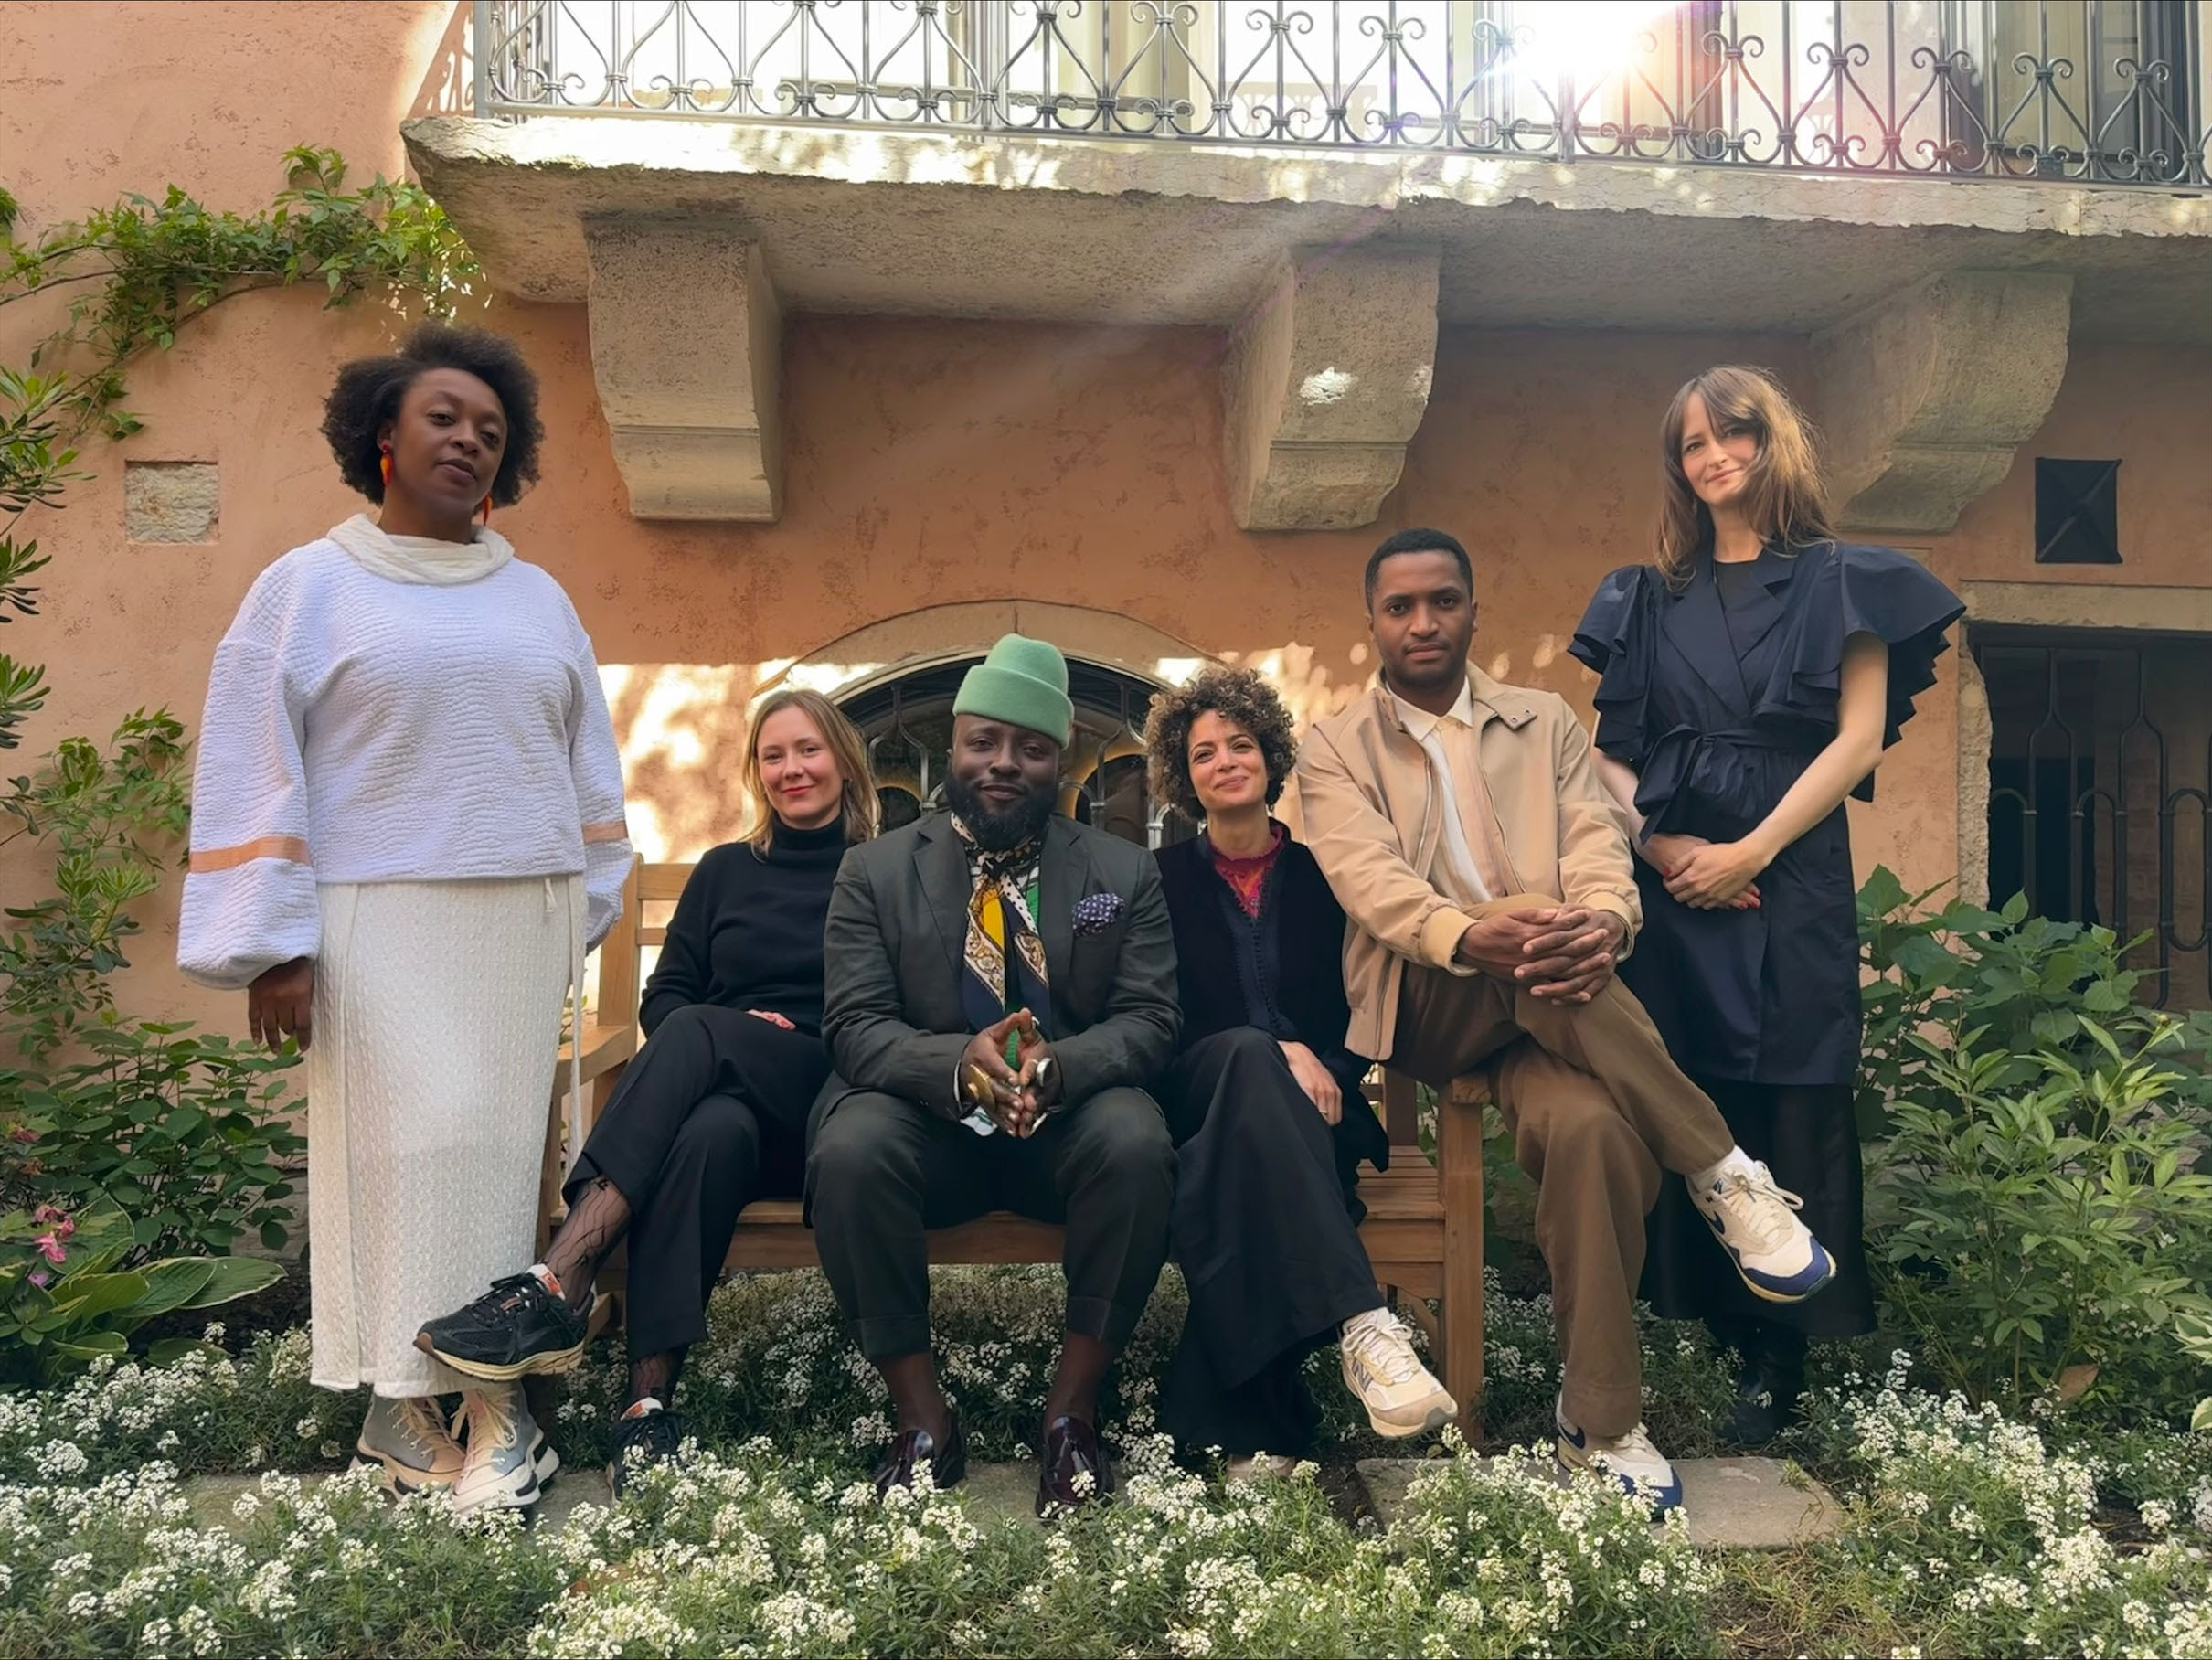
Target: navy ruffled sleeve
(1617, 637)
(1858, 590)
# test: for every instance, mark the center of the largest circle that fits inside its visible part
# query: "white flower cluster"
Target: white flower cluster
(1984, 1533)
(743, 1557)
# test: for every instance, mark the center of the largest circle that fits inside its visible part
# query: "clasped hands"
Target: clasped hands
(1017, 1097)
(1563, 954)
(1708, 876)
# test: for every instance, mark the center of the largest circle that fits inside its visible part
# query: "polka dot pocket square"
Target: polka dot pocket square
(1095, 913)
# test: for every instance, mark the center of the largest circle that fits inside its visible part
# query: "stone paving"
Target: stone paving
(1738, 1504)
(1731, 1504)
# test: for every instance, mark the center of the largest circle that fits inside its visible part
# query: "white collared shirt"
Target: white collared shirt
(1456, 875)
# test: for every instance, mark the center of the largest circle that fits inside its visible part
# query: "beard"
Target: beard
(1000, 829)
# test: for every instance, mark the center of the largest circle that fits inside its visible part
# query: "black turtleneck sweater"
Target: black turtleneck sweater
(747, 933)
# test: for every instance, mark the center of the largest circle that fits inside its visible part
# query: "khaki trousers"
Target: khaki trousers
(1598, 1110)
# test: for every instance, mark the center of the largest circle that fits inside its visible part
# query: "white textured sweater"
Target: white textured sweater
(363, 728)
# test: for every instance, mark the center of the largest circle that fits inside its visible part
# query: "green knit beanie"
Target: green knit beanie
(1023, 683)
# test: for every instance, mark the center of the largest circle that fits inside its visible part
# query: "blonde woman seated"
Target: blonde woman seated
(712, 1113)
(1264, 1103)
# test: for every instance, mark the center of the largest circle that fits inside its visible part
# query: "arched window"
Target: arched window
(907, 720)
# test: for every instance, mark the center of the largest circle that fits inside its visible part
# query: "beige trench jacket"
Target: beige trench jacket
(1373, 813)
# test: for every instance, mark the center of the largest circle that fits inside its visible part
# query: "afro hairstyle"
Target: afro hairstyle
(368, 390)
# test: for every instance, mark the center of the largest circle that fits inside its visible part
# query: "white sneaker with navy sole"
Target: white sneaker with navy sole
(1756, 1222)
(1630, 1459)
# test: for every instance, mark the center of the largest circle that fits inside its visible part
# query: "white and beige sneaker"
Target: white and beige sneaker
(1401, 1395)
(1631, 1460)
(409, 1441)
(1756, 1222)
(507, 1459)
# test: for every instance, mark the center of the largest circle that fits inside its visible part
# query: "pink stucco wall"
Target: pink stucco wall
(928, 462)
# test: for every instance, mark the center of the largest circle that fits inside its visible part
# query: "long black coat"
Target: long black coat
(1302, 961)
(1719, 707)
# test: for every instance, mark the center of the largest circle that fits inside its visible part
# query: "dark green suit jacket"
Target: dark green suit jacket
(892, 962)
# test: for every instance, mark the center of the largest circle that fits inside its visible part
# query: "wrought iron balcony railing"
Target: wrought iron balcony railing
(2103, 92)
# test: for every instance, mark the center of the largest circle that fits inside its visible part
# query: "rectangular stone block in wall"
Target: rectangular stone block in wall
(170, 501)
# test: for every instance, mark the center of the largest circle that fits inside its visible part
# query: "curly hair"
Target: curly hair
(368, 390)
(1242, 696)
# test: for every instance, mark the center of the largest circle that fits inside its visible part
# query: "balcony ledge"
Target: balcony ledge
(1144, 232)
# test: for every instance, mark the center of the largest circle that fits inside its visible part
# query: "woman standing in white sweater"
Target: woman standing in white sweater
(407, 830)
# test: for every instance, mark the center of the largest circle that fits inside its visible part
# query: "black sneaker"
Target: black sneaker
(515, 1328)
(647, 1439)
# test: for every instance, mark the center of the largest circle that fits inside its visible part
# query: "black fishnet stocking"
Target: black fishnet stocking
(595, 1225)
(656, 1375)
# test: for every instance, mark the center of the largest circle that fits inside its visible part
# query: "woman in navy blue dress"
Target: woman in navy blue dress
(1751, 677)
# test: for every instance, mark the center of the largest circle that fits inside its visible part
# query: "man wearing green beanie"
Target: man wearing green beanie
(1000, 992)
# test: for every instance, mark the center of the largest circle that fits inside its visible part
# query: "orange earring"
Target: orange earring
(383, 464)
(484, 511)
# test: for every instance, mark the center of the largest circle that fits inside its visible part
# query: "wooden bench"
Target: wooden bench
(1423, 1229)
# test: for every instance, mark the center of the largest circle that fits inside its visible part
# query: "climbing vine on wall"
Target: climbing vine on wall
(103, 291)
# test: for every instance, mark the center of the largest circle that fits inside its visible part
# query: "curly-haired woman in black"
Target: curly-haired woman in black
(1264, 1103)
(406, 827)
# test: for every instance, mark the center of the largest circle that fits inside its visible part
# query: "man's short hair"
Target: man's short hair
(1420, 538)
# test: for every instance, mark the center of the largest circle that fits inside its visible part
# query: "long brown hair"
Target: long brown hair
(861, 810)
(1783, 494)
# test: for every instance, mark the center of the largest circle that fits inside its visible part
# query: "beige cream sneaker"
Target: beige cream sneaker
(1401, 1395)
(408, 1440)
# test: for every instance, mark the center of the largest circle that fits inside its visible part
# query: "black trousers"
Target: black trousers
(1808, 1135)
(883, 1170)
(710, 1116)
(1268, 1245)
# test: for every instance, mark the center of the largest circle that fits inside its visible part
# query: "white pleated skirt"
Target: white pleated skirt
(437, 1017)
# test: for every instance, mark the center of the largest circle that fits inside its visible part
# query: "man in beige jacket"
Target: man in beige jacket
(1487, 880)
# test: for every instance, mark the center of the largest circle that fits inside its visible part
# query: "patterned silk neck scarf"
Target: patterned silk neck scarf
(1004, 961)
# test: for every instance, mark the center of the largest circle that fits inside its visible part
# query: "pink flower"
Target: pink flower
(50, 1248)
(22, 1133)
(41, 1279)
(50, 1213)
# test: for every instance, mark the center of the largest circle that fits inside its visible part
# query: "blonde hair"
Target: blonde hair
(845, 747)
(1784, 496)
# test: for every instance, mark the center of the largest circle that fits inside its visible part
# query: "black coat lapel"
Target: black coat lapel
(1064, 879)
(1695, 627)
(1760, 606)
(940, 865)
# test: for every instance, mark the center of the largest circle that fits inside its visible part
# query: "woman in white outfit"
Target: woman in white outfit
(407, 829)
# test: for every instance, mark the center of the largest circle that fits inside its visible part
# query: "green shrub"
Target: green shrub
(2040, 1224)
(64, 1303)
(2024, 981)
(188, 1133)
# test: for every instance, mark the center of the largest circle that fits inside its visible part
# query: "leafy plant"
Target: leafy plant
(189, 1133)
(2025, 981)
(64, 1304)
(110, 819)
(2040, 1223)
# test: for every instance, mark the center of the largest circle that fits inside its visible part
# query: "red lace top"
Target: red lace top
(1246, 876)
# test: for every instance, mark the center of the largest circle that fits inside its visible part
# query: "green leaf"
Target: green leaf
(236, 1277)
(174, 1283)
(90, 1296)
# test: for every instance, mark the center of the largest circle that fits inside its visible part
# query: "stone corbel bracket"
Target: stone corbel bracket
(1927, 397)
(687, 346)
(1327, 377)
